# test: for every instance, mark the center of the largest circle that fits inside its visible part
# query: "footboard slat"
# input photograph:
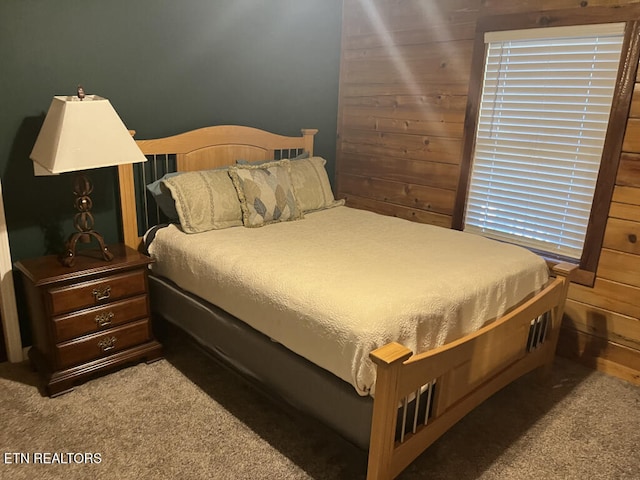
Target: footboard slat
(467, 371)
(416, 411)
(429, 400)
(405, 404)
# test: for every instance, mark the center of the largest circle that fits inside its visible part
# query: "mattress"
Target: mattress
(341, 282)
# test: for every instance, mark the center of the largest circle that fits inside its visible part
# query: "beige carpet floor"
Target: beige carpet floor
(185, 417)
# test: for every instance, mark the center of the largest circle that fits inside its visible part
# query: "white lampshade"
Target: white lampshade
(80, 135)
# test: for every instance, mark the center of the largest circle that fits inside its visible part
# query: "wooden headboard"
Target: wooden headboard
(202, 149)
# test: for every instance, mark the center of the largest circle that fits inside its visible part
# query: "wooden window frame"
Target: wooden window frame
(617, 121)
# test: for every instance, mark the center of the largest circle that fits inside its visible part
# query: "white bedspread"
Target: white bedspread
(342, 282)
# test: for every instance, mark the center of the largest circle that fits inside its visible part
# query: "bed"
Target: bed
(386, 330)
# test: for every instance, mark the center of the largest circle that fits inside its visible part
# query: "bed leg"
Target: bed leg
(388, 360)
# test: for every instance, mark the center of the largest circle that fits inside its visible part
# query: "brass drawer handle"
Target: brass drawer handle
(104, 319)
(102, 293)
(107, 344)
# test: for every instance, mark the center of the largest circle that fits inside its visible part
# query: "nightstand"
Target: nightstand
(89, 318)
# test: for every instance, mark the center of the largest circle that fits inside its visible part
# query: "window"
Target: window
(545, 122)
(543, 117)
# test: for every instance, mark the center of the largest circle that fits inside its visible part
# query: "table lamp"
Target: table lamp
(80, 133)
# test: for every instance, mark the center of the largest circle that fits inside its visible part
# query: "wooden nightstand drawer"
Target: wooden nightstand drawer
(96, 292)
(97, 319)
(75, 352)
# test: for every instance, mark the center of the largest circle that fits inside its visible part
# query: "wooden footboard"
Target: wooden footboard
(448, 382)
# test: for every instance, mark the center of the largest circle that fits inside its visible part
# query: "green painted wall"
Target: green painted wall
(167, 66)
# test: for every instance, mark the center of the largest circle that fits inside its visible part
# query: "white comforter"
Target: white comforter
(341, 282)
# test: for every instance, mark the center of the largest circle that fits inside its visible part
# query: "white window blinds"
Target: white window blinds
(543, 117)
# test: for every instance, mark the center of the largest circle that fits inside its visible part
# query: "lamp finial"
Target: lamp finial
(81, 92)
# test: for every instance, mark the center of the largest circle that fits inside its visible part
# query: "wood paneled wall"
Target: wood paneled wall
(403, 93)
(404, 79)
(602, 324)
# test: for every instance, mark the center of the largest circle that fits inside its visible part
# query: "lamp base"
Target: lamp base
(83, 222)
(68, 259)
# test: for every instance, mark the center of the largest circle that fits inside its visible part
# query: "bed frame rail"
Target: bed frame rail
(455, 378)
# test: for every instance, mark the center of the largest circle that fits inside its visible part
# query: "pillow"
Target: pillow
(204, 200)
(311, 182)
(266, 193)
(163, 198)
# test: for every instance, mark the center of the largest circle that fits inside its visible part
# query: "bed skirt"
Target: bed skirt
(265, 363)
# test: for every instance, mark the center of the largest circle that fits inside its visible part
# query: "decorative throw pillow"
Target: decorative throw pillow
(205, 200)
(266, 193)
(310, 181)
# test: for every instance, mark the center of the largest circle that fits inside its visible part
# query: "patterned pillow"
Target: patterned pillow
(204, 200)
(310, 179)
(266, 193)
